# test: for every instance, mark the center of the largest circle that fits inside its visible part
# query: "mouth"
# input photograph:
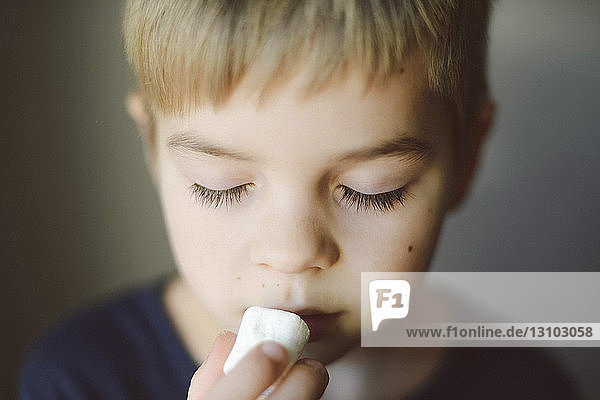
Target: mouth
(319, 323)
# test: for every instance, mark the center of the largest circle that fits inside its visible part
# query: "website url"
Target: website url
(509, 331)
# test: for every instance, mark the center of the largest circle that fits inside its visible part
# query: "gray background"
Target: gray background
(80, 218)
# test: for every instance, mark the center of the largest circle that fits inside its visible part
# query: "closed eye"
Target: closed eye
(378, 202)
(216, 198)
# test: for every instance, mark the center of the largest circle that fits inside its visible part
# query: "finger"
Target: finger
(306, 380)
(259, 369)
(212, 368)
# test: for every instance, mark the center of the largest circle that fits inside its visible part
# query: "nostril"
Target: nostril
(295, 262)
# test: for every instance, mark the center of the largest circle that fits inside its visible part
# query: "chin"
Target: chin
(331, 347)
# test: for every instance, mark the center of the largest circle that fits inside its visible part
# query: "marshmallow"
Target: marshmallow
(260, 324)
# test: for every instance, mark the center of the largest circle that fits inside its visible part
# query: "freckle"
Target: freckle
(238, 278)
(277, 285)
(263, 285)
(410, 248)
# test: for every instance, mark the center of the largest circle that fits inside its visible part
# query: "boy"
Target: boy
(293, 144)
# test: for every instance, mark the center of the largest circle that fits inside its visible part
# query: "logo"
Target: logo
(389, 299)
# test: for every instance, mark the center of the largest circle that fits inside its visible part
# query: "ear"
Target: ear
(143, 118)
(469, 151)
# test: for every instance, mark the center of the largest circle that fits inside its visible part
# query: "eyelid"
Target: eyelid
(216, 176)
(374, 186)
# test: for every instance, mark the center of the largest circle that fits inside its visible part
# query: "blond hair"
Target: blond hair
(185, 52)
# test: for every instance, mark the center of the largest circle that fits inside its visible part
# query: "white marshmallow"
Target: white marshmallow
(260, 324)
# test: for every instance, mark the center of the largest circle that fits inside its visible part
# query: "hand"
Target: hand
(258, 370)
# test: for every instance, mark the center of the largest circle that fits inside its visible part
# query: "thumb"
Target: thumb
(212, 368)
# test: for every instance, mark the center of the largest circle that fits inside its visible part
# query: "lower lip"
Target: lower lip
(320, 324)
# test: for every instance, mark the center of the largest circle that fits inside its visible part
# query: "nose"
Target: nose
(293, 242)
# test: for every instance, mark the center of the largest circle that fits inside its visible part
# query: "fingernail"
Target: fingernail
(316, 366)
(274, 351)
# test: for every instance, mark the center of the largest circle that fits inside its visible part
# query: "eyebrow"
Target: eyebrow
(187, 142)
(401, 146)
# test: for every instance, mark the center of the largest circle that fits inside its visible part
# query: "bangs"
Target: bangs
(186, 53)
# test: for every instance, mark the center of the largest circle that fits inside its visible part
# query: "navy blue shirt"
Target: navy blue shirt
(128, 349)
(124, 349)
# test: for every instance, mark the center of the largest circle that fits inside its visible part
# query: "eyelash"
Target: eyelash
(216, 198)
(379, 202)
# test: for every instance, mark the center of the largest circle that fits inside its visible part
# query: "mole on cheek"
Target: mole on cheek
(410, 248)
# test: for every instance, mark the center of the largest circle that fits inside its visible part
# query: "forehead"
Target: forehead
(345, 115)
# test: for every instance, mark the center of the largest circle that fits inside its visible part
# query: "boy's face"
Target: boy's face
(299, 194)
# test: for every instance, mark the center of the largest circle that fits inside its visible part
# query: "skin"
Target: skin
(292, 241)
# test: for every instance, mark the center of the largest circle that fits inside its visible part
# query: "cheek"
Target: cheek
(209, 254)
(403, 240)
